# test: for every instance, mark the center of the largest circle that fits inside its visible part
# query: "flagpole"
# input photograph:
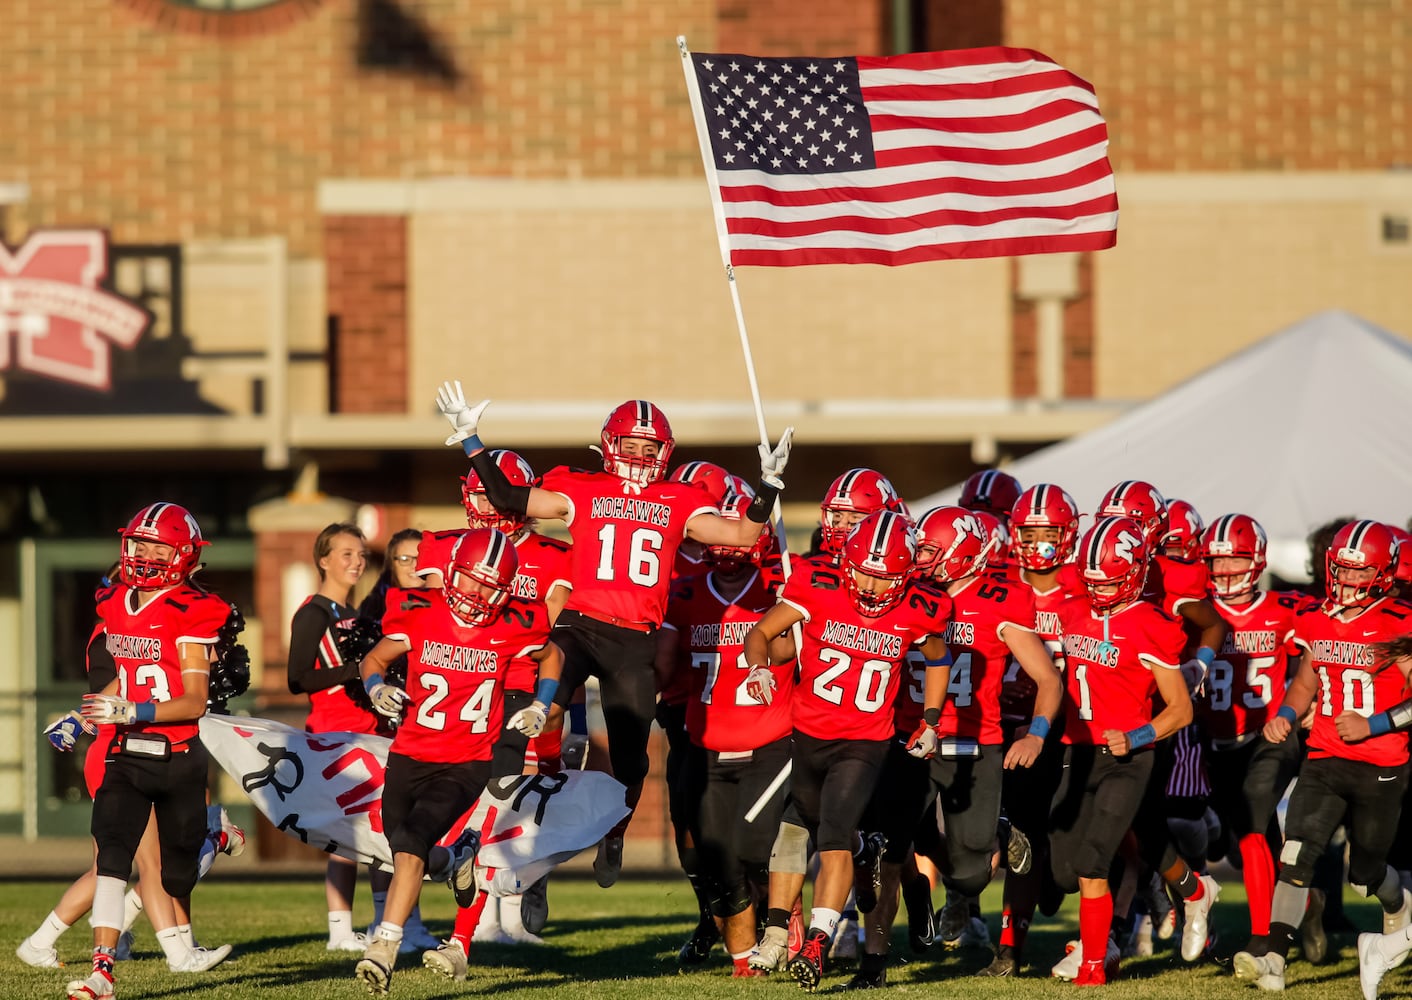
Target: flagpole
(703, 142)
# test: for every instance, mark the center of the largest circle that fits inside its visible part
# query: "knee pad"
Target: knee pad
(114, 862)
(1297, 858)
(731, 901)
(178, 884)
(791, 851)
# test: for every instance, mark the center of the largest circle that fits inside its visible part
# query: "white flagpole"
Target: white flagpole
(703, 141)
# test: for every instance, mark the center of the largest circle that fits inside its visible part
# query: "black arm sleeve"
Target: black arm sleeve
(503, 496)
(102, 669)
(314, 665)
(764, 503)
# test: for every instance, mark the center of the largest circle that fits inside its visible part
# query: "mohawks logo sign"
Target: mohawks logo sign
(53, 307)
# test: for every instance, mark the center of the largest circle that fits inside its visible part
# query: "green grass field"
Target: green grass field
(617, 943)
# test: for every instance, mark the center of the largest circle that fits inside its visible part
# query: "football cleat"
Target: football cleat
(1374, 963)
(1068, 967)
(233, 835)
(867, 871)
(608, 864)
(741, 970)
(447, 959)
(1091, 974)
(921, 921)
(127, 944)
(1140, 940)
(1265, 971)
(534, 906)
(1197, 926)
(416, 937)
(462, 877)
(952, 920)
(95, 987)
(1313, 942)
(871, 974)
(1019, 855)
(1400, 918)
(807, 967)
(794, 939)
(200, 959)
(1003, 965)
(357, 941)
(40, 958)
(698, 947)
(375, 967)
(771, 954)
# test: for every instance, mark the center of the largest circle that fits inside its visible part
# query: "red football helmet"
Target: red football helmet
(1237, 536)
(729, 558)
(952, 543)
(479, 575)
(1182, 540)
(1403, 573)
(1358, 548)
(709, 476)
(998, 531)
(853, 495)
(1044, 506)
(479, 512)
(882, 546)
(1113, 553)
(990, 490)
(1140, 501)
(167, 524)
(637, 418)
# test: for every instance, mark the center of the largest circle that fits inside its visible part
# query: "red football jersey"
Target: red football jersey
(1341, 653)
(1246, 682)
(143, 643)
(710, 638)
(851, 666)
(544, 565)
(1017, 691)
(1109, 676)
(455, 674)
(625, 540)
(985, 607)
(1171, 583)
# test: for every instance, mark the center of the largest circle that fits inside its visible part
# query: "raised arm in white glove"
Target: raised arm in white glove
(464, 418)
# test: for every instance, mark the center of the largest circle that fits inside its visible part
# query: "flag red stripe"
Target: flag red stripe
(1071, 143)
(1030, 83)
(1053, 111)
(883, 226)
(964, 250)
(918, 189)
(952, 58)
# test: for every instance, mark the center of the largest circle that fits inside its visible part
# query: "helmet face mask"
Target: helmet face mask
(1234, 544)
(160, 547)
(479, 575)
(1045, 522)
(1361, 564)
(1112, 561)
(879, 556)
(851, 497)
(479, 512)
(637, 442)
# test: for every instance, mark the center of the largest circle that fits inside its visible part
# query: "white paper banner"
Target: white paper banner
(326, 790)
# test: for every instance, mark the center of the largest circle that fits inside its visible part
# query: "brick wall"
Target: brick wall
(366, 257)
(275, 550)
(788, 28)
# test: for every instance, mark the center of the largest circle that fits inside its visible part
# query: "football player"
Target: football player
(1359, 784)
(1249, 775)
(159, 629)
(626, 525)
(859, 621)
(992, 491)
(1119, 651)
(460, 642)
(850, 498)
(741, 731)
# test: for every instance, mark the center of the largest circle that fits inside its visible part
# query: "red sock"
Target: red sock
(1095, 921)
(1258, 867)
(549, 746)
(1021, 896)
(1200, 891)
(466, 920)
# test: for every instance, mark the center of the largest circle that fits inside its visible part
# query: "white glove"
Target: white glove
(388, 700)
(922, 745)
(530, 720)
(63, 732)
(108, 710)
(760, 684)
(772, 463)
(451, 400)
(1194, 673)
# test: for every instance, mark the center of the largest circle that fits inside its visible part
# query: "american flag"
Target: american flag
(934, 155)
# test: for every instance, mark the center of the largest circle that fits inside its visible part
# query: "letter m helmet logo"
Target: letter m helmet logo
(52, 304)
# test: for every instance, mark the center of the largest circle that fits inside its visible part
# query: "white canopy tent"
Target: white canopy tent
(1300, 428)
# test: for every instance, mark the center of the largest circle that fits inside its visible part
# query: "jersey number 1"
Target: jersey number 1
(644, 563)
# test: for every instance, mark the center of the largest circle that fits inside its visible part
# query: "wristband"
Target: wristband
(545, 690)
(145, 711)
(1286, 712)
(1142, 736)
(1380, 724)
(1205, 654)
(763, 505)
(1039, 726)
(931, 716)
(944, 662)
(472, 444)
(372, 681)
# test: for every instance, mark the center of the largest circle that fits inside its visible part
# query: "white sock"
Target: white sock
(340, 925)
(188, 938)
(389, 932)
(132, 908)
(824, 920)
(173, 946)
(47, 936)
